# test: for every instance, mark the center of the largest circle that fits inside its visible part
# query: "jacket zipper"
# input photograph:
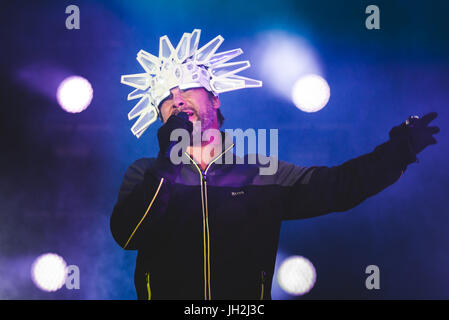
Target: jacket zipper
(262, 285)
(206, 238)
(146, 212)
(147, 280)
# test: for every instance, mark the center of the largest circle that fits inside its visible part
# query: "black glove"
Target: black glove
(417, 132)
(178, 121)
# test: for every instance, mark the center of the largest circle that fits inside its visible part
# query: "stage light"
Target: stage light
(310, 93)
(282, 58)
(74, 94)
(49, 272)
(296, 275)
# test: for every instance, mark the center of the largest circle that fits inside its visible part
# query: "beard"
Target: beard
(207, 120)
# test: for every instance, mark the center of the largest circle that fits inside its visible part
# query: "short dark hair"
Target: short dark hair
(220, 117)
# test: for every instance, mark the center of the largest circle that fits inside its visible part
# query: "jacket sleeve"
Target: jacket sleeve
(142, 198)
(315, 191)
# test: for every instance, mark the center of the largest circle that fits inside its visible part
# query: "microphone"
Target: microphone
(185, 117)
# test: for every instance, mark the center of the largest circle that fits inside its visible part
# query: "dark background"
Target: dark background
(60, 172)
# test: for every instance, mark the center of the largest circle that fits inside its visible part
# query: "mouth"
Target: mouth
(191, 113)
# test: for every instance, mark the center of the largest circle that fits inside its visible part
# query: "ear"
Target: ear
(216, 102)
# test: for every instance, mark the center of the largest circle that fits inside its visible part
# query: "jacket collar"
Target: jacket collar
(226, 146)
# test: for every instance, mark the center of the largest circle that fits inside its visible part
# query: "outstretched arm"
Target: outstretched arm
(321, 190)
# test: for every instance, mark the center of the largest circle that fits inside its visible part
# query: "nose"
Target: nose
(178, 100)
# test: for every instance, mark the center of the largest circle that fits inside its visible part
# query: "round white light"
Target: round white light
(310, 93)
(283, 58)
(296, 275)
(74, 94)
(49, 272)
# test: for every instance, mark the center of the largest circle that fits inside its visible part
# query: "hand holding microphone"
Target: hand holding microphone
(176, 121)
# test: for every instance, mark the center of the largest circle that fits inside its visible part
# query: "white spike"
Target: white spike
(222, 57)
(182, 50)
(144, 121)
(225, 85)
(249, 83)
(139, 80)
(202, 56)
(194, 41)
(166, 49)
(149, 62)
(141, 107)
(136, 94)
(230, 68)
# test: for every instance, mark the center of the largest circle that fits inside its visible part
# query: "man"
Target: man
(209, 229)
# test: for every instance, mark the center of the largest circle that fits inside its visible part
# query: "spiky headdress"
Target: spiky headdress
(185, 67)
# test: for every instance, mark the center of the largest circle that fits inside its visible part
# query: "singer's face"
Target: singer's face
(196, 102)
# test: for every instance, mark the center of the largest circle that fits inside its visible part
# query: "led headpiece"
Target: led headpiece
(185, 67)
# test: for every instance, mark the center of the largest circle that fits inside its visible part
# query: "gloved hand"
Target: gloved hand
(178, 121)
(417, 131)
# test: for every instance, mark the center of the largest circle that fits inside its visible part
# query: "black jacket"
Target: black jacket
(214, 234)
